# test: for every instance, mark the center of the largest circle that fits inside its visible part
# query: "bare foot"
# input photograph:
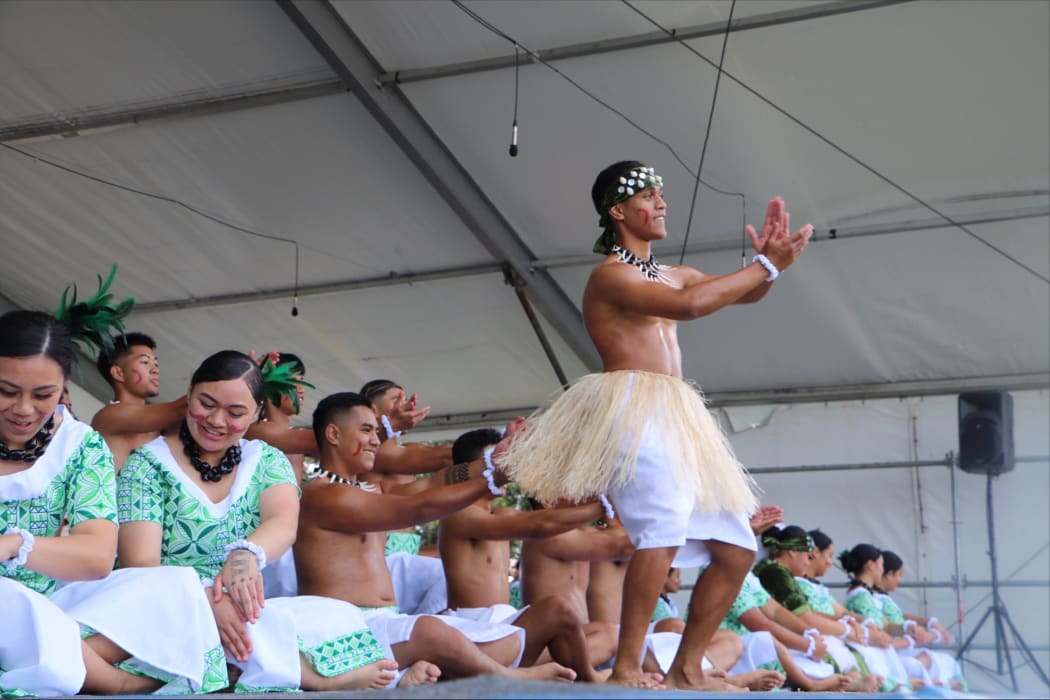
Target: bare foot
(759, 679)
(638, 679)
(713, 680)
(544, 672)
(864, 684)
(420, 673)
(917, 683)
(374, 676)
(957, 685)
(834, 682)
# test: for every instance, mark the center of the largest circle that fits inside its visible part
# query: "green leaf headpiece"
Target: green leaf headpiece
(96, 320)
(282, 380)
(795, 544)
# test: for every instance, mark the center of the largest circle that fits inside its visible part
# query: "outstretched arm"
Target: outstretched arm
(291, 441)
(412, 457)
(512, 524)
(127, 419)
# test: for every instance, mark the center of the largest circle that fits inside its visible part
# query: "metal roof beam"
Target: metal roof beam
(227, 99)
(833, 233)
(326, 30)
(818, 394)
(634, 41)
(336, 287)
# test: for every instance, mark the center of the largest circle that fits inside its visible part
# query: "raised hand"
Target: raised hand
(774, 219)
(776, 241)
(765, 518)
(404, 415)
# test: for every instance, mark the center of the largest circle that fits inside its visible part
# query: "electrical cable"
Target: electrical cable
(900, 188)
(170, 200)
(707, 135)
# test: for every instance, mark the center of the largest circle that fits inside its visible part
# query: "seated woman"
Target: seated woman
(99, 632)
(876, 647)
(208, 499)
(944, 668)
(863, 563)
(774, 638)
(790, 550)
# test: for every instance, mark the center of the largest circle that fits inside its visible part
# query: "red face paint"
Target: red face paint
(138, 376)
(644, 213)
(197, 416)
(360, 446)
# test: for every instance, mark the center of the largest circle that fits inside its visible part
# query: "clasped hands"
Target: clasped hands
(776, 241)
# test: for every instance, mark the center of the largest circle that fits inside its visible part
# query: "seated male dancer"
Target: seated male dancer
(562, 563)
(128, 422)
(475, 551)
(339, 550)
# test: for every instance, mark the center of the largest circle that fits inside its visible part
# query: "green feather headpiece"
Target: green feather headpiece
(94, 321)
(281, 380)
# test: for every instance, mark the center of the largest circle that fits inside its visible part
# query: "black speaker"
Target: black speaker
(986, 432)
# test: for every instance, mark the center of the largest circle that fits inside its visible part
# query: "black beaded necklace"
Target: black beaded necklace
(209, 473)
(333, 478)
(34, 447)
(651, 269)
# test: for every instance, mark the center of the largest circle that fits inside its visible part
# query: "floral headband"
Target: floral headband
(795, 544)
(631, 182)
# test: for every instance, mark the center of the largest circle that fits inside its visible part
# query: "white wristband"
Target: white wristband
(770, 267)
(811, 635)
(930, 623)
(490, 471)
(20, 558)
(908, 624)
(609, 512)
(910, 640)
(391, 434)
(844, 621)
(260, 554)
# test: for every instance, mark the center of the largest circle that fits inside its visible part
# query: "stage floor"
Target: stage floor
(502, 688)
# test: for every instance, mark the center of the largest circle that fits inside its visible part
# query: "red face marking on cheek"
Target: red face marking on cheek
(360, 446)
(197, 416)
(645, 214)
(138, 375)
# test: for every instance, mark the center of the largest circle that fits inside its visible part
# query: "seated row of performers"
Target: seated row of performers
(196, 499)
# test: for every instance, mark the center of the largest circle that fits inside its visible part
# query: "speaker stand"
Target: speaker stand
(1000, 617)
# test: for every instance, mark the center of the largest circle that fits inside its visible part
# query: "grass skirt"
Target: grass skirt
(587, 440)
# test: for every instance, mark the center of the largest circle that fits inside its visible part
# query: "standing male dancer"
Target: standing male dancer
(643, 435)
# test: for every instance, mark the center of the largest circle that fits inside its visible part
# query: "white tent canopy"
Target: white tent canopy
(228, 154)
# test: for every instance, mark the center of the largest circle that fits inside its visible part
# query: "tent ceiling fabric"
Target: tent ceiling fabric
(950, 101)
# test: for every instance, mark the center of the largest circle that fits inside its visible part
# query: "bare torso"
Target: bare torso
(475, 569)
(342, 565)
(629, 340)
(543, 575)
(605, 591)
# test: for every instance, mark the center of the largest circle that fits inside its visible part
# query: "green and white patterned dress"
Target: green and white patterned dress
(943, 667)
(41, 624)
(329, 633)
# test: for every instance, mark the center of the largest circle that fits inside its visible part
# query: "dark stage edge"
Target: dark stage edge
(510, 689)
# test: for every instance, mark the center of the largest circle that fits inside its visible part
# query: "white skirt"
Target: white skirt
(331, 634)
(161, 616)
(759, 653)
(40, 648)
(392, 627)
(419, 583)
